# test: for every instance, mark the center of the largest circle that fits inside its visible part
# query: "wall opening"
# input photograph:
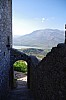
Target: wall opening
(20, 73)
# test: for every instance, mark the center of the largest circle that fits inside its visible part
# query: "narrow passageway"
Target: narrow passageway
(21, 92)
(20, 79)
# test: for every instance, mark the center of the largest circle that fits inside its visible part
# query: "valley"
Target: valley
(39, 53)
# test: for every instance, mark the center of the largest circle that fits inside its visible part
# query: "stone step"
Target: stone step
(20, 94)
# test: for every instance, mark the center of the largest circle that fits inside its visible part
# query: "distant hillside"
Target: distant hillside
(46, 38)
(39, 53)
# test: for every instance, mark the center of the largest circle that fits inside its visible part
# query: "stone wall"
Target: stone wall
(5, 44)
(16, 55)
(48, 79)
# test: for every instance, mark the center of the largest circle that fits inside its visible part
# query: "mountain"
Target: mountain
(46, 38)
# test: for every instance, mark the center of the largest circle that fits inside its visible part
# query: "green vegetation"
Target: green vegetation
(39, 53)
(20, 66)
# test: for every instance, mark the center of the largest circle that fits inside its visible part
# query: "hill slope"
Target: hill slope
(46, 38)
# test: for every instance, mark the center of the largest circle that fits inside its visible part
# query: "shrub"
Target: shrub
(20, 66)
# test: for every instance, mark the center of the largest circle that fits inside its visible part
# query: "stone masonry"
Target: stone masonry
(16, 55)
(5, 44)
(46, 79)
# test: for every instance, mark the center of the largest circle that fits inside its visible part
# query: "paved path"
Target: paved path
(20, 94)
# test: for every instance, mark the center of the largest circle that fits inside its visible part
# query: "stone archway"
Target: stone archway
(15, 56)
(20, 74)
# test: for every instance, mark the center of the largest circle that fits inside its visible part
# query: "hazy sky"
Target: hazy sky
(30, 15)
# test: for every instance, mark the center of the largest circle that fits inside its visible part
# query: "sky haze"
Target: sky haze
(30, 15)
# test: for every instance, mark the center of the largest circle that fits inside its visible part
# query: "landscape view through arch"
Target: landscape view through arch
(38, 26)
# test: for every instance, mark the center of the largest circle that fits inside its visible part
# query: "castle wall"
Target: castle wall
(16, 55)
(5, 44)
(48, 80)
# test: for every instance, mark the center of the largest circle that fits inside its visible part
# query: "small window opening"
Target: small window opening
(4, 53)
(8, 42)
